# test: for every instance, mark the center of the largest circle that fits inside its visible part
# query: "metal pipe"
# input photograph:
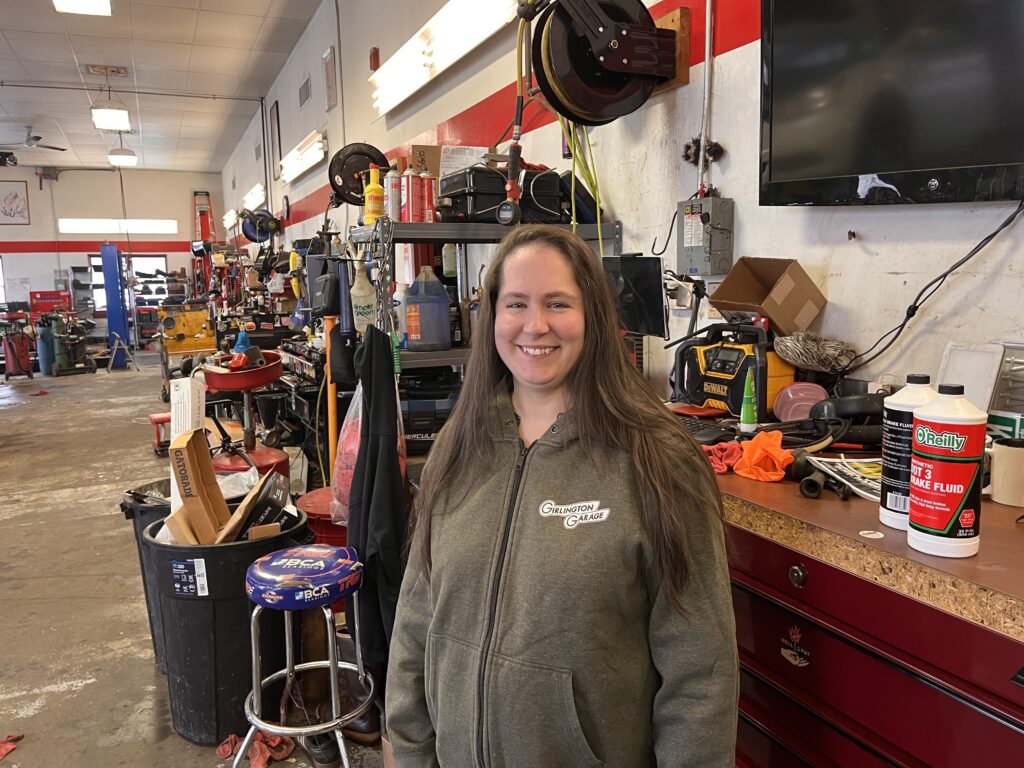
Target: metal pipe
(332, 403)
(136, 92)
(709, 31)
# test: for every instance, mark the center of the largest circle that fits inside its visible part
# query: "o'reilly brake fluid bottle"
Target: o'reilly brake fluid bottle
(897, 438)
(945, 475)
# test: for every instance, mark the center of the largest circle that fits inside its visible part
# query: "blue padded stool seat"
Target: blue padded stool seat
(303, 577)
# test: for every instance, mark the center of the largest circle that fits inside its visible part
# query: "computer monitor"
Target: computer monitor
(637, 283)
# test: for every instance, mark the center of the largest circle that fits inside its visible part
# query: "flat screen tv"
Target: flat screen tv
(891, 101)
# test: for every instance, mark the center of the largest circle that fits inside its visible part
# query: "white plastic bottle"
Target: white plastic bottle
(897, 443)
(398, 301)
(945, 475)
(364, 300)
(449, 257)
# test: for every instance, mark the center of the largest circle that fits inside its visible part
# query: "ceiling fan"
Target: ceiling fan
(32, 142)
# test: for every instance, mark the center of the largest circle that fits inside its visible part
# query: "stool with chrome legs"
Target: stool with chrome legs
(288, 580)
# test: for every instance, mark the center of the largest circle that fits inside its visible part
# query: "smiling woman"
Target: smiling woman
(568, 550)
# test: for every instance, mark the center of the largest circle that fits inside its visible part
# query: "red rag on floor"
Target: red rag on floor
(264, 750)
(9, 744)
(723, 456)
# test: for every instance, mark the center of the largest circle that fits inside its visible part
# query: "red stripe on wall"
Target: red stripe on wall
(737, 23)
(81, 246)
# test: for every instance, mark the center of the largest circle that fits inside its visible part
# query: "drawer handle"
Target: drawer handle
(1018, 679)
(798, 576)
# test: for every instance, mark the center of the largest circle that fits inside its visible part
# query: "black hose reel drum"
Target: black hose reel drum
(597, 60)
(348, 169)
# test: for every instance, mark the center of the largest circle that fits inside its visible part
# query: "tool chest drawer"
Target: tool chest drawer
(904, 681)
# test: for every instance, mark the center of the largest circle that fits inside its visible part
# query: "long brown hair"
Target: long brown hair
(614, 406)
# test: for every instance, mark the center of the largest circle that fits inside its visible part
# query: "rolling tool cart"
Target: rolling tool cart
(16, 347)
(69, 355)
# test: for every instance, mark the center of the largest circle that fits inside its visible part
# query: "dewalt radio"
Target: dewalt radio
(710, 371)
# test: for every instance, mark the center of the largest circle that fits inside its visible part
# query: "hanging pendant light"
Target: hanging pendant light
(122, 156)
(109, 114)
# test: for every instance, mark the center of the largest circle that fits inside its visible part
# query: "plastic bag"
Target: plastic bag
(345, 460)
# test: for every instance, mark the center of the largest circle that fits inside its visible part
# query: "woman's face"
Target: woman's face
(538, 321)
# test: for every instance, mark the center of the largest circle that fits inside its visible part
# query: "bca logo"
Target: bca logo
(312, 594)
(294, 562)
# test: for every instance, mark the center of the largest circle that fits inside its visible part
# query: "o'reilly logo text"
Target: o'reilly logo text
(950, 441)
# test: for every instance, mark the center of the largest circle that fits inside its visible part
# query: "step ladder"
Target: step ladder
(120, 345)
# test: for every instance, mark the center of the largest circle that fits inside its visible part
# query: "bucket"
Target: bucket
(427, 317)
(205, 627)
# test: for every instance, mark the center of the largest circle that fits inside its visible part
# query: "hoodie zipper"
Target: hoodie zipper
(492, 612)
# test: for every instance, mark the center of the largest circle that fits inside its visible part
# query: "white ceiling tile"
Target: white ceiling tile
(201, 119)
(215, 85)
(196, 145)
(219, 61)
(10, 69)
(79, 125)
(81, 141)
(160, 132)
(279, 34)
(193, 4)
(168, 80)
(230, 30)
(52, 72)
(40, 46)
(199, 132)
(293, 9)
(252, 87)
(251, 7)
(6, 52)
(118, 24)
(166, 106)
(20, 15)
(154, 22)
(112, 51)
(152, 54)
(159, 143)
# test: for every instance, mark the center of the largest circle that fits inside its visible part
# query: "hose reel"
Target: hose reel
(598, 60)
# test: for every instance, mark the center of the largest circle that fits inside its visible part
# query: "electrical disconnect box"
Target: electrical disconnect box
(704, 243)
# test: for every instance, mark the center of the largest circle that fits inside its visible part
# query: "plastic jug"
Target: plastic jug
(427, 314)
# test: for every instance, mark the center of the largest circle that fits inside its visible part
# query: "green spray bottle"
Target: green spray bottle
(748, 412)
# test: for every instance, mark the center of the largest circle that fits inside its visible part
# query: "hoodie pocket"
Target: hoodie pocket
(451, 698)
(531, 717)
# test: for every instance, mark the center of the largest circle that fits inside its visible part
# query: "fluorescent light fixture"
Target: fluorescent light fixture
(117, 226)
(122, 157)
(255, 197)
(452, 32)
(230, 218)
(84, 7)
(310, 151)
(110, 115)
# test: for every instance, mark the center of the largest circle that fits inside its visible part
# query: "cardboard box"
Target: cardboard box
(202, 504)
(263, 505)
(188, 412)
(779, 289)
(425, 157)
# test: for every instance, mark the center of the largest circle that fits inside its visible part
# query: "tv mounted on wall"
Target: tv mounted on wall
(891, 101)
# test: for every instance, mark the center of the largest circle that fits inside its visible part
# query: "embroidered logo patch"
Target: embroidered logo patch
(576, 513)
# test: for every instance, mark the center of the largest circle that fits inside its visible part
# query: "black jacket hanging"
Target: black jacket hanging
(378, 510)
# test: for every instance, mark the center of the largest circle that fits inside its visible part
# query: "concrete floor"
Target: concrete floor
(77, 674)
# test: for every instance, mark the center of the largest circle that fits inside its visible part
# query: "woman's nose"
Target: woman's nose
(535, 322)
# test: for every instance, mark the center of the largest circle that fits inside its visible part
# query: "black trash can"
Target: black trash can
(144, 506)
(204, 614)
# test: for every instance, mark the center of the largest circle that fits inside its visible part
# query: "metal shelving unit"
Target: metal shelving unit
(475, 233)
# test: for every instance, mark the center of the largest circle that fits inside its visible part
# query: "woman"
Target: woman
(566, 601)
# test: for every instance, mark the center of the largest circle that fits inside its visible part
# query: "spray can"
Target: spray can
(427, 192)
(748, 411)
(373, 196)
(411, 188)
(393, 195)
(897, 444)
(945, 475)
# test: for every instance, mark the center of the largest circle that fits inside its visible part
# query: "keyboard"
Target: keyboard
(706, 432)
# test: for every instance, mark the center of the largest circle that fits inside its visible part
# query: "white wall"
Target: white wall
(868, 281)
(80, 193)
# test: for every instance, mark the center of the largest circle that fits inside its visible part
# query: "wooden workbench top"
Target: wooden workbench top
(987, 589)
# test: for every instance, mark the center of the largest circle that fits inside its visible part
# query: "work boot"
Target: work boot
(322, 750)
(365, 730)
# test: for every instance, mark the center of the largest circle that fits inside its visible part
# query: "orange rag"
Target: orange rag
(265, 748)
(764, 458)
(723, 455)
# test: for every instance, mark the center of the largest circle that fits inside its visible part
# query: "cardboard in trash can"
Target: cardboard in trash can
(779, 289)
(202, 503)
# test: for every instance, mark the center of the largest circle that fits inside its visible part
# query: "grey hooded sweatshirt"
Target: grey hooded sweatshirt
(535, 639)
